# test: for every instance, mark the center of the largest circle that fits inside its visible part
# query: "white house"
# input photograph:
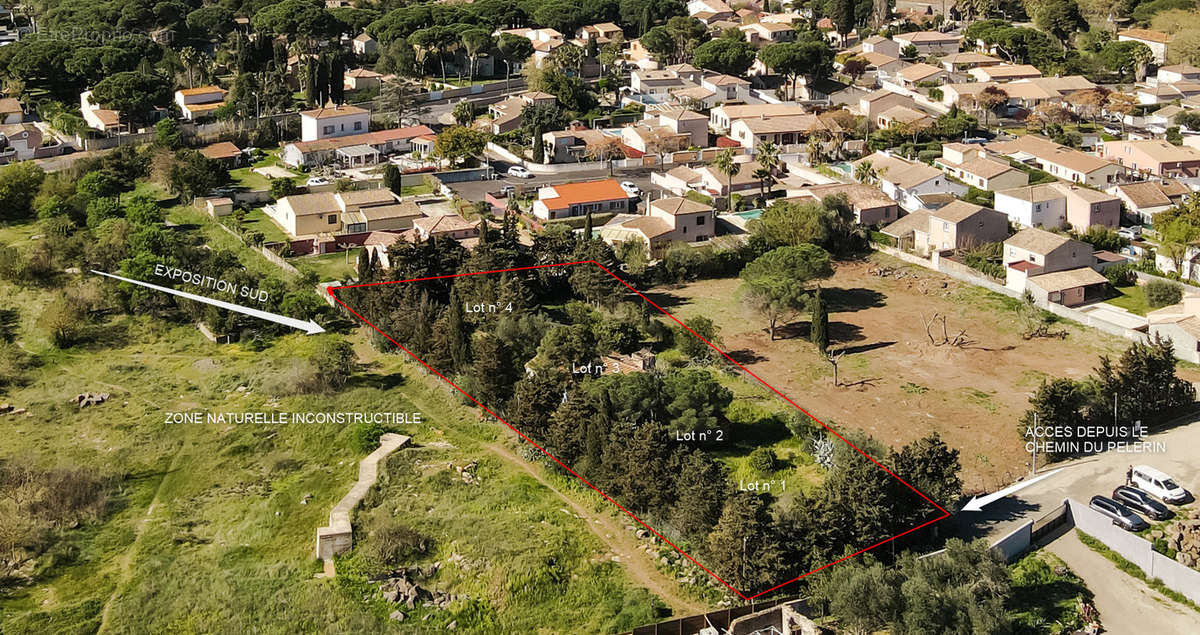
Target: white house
(196, 102)
(904, 181)
(333, 121)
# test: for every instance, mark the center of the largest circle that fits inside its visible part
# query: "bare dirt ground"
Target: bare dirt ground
(894, 384)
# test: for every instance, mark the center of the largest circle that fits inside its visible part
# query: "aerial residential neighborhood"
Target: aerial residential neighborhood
(650, 316)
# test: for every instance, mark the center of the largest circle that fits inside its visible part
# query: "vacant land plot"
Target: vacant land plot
(894, 384)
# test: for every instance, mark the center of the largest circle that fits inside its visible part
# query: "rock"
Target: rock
(1156, 534)
(452, 625)
(642, 533)
(410, 602)
(398, 616)
(391, 596)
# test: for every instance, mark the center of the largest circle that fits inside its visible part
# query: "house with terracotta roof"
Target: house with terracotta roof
(21, 141)
(967, 60)
(1155, 157)
(1034, 252)
(601, 33)
(784, 130)
(1055, 205)
(722, 117)
(1156, 40)
(871, 206)
(1004, 72)
(872, 104)
(1147, 198)
(354, 211)
(102, 119)
(922, 73)
(716, 7)
(11, 111)
(970, 164)
(668, 220)
(929, 42)
(958, 225)
(1181, 324)
(577, 199)
(881, 45)
(506, 114)
(883, 65)
(227, 153)
(1065, 163)
(1177, 73)
(1160, 93)
(361, 79)
(199, 101)
(333, 121)
(906, 181)
(446, 225)
(339, 150)
(902, 116)
(714, 182)
(727, 87)
(760, 34)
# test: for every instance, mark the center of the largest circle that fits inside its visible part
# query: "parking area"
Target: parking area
(475, 190)
(1173, 452)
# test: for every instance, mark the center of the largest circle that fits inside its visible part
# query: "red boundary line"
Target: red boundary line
(945, 513)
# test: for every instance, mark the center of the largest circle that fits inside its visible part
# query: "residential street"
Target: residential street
(1125, 603)
(1083, 478)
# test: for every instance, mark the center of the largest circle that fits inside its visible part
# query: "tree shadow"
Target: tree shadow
(849, 300)
(844, 332)
(665, 299)
(972, 525)
(381, 381)
(746, 356)
(863, 348)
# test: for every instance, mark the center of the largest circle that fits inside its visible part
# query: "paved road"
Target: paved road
(1125, 603)
(1083, 478)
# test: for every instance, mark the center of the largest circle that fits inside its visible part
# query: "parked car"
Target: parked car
(507, 190)
(317, 180)
(1141, 502)
(1113, 130)
(1121, 515)
(519, 172)
(1130, 233)
(631, 188)
(1159, 484)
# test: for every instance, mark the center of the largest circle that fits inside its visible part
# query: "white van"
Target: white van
(1158, 484)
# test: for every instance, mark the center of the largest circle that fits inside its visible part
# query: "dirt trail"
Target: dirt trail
(613, 534)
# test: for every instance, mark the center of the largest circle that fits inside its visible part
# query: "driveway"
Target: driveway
(1125, 603)
(1174, 452)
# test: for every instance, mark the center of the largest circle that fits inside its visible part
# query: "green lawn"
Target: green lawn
(1132, 299)
(257, 220)
(329, 267)
(414, 190)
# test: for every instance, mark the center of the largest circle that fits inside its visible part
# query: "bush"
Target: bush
(1160, 293)
(1120, 275)
(929, 155)
(389, 543)
(283, 187)
(763, 460)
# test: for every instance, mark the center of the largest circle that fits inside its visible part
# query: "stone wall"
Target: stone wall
(338, 537)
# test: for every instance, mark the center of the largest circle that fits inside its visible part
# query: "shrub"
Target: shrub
(389, 543)
(763, 460)
(1160, 293)
(928, 155)
(1120, 275)
(282, 187)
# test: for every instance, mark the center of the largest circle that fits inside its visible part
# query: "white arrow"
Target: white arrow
(977, 502)
(309, 327)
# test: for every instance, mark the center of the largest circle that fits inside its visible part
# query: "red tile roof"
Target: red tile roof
(585, 192)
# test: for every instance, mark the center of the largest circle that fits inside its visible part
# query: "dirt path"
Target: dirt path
(1126, 604)
(125, 563)
(618, 540)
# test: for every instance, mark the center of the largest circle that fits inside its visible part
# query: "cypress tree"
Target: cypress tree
(310, 87)
(460, 350)
(587, 227)
(337, 86)
(322, 82)
(819, 327)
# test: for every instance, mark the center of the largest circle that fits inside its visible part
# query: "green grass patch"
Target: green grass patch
(913, 389)
(257, 220)
(1046, 595)
(1132, 299)
(1135, 571)
(330, 267)
(415, 190)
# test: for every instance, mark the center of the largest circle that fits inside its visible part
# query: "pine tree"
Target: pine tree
(819, 328)
(492, 370)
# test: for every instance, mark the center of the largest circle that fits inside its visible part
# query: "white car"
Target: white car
(1158, 484)
(519, 172)
(317, 180)
(1130, 233)
(630, 188)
